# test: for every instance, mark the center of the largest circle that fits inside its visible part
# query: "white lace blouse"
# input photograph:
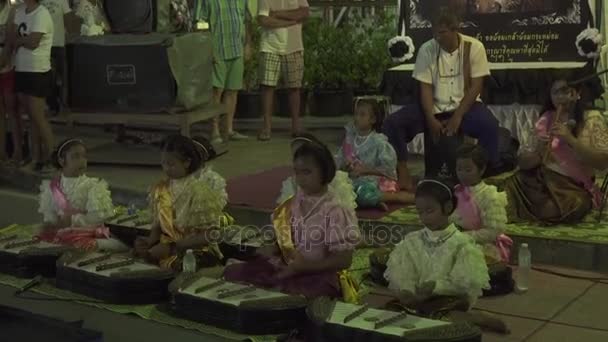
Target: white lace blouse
(492, 211)
(88, 195)
(449, 258)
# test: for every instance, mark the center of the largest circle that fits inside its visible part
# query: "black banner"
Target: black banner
(511, 30)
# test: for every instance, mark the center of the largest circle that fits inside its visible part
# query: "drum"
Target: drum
(338, 321)
(114, 278)
(27, 256)
(242, 308)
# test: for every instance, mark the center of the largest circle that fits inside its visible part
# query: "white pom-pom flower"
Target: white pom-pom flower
(401, 48)
(589, 43)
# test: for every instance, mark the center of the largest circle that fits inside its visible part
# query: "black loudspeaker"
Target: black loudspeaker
(131, 16)
(121, 73)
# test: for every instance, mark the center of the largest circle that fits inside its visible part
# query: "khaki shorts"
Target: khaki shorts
(228, 74)
(288, 68)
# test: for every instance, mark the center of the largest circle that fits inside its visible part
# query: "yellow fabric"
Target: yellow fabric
(282, 228)
(349, 287)
(13, 228)
(165, 213)
(281, 221)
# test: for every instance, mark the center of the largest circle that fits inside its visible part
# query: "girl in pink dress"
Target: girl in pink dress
(555, 183)
(315, 230)
(74, 206)
(481, 210)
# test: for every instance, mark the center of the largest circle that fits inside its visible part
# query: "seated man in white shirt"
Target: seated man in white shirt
(450, 69)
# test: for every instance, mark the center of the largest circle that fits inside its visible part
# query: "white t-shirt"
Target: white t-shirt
(39, 20)
(444, 71)
(285, 40)
(58, 9)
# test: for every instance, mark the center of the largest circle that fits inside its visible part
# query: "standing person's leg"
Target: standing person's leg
(270, 68)
(481, 124)
(37, 107)
(218, 80)
(3, 118)
(294, 74)
(62, 84)
(401, 127)
(52, 100)
(39, 88)
(234, 83)
(15, 122)
(22, 107)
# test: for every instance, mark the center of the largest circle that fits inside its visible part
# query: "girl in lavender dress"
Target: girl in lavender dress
(315, 230)
(369, 158)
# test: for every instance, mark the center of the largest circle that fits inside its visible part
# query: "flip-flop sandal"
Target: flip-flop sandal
(263, 136)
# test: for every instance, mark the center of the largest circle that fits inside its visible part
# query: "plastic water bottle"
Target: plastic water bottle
(131, 209)
(524, 260)
(189, 262)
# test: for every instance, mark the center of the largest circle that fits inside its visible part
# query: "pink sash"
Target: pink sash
(84, 238)
(469, 212)
(566, 158)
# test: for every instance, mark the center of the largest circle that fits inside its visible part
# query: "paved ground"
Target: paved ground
(555, 309)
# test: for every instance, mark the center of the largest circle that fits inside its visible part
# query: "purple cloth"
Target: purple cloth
(262, 273)
(403, 125)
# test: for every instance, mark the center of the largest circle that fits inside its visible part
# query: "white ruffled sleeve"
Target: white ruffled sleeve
(216, 183)
(46, 205)
(387, 157)
(401, 272)
(206, 207)
(99, 205)
(349, 135)
(288, 189)
(343, 191)
(468, 276)
(492, 208)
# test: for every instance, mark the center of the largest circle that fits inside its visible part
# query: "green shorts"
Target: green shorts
(228, 74)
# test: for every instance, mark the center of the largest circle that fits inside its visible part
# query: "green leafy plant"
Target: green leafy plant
(371, 60)
(252, 64)
(328, 55)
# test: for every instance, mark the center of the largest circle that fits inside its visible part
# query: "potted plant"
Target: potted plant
(372, 58)
(329, 65)
(249, 98)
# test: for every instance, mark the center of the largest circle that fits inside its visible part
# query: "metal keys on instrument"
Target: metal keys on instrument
(18, 244)
(112, 265)
(356, 313)
(8, 238)
(234, 293)
(386, 322)
(209, 286)
(94, 260)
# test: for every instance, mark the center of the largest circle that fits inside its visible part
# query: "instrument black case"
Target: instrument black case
(121, 73)
(31, 263)
(257, 320)
(116, 290)
(451, 333)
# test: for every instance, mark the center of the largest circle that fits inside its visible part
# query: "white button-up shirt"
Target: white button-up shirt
(444, 71)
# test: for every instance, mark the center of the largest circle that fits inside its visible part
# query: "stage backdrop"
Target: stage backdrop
(513, 31)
